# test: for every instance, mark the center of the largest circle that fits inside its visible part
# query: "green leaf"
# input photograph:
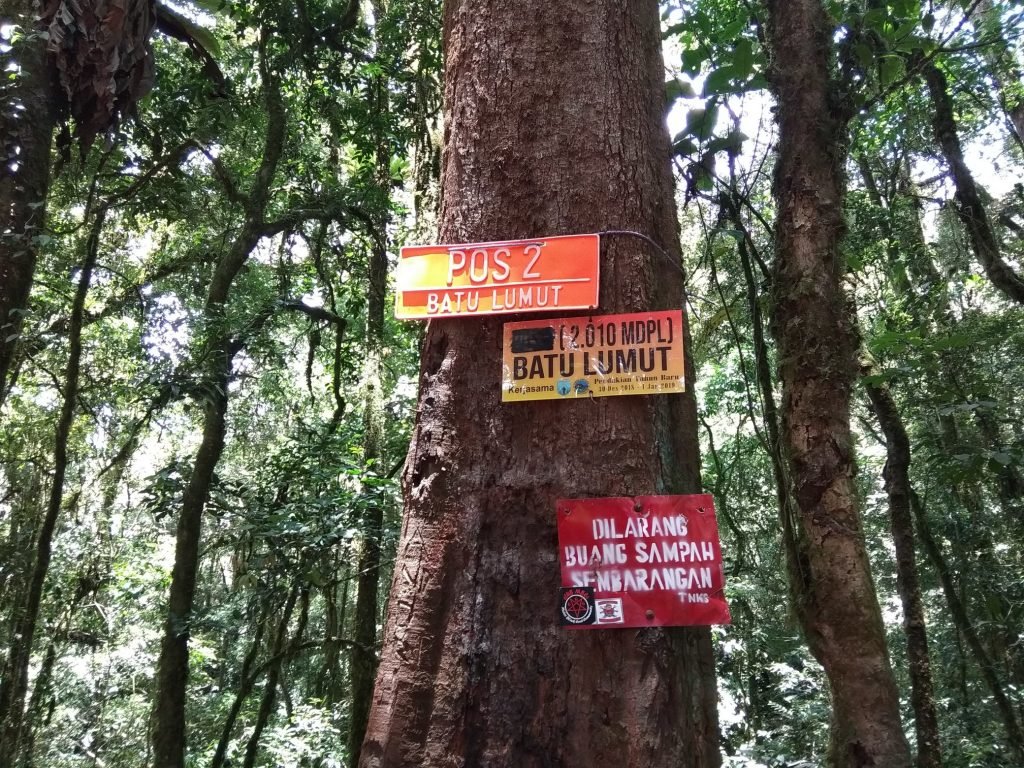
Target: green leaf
(1001, 458)
(693, 58)
(743, 59)
(211, 6)
(905, 30)
(733, 29)
(865, 56)
(678, 89)
(889, 69)
(731, 142)
(876, 19)
(719, 80)
(700, 122)
(675, 29)
(684, 146)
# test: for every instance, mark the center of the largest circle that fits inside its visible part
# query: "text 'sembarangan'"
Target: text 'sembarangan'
(640, 561)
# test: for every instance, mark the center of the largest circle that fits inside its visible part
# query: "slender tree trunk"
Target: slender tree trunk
(904, 229)
(18, 546)
(330, 686)
(555, 121)
(245, 679)
(1009, 483)
(14, 685)
(363, 658)
(835, 596)
(896, 268)
(966, 628)
(172, 666)
(897, 485)
(976, 549)
(270, 683)
(970, 207)
(24, 182)
(168, 732)
(40, 690)
(1002, 66)
(783, 487)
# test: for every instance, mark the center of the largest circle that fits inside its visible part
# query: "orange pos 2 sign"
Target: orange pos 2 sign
(593, 356)
(539, 275)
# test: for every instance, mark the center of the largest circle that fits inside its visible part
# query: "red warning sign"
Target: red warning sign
(650, 561)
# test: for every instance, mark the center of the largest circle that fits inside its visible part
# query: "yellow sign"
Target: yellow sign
(541, 275)
(596, 356)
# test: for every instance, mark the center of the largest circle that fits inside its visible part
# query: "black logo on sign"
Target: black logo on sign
(576, 606)
(533, 340)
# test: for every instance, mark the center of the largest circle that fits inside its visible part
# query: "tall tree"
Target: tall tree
(1002, 65)
(92, 66)
(555, 115)
(970, 206)
(834, 594)
(363, 656)
(27, 118)
(169, 733)
(897, 485)
(14, 683)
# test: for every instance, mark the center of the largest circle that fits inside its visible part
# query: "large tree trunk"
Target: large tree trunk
(834, 594)
(555, 124)
(24, 184)
(897, 485)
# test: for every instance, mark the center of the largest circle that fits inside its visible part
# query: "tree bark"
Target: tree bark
(270, 684)
(970, 207)
(966, 628)
(897, 485)
(555, 124)
(168, 733)
(834, 594)
(363, 658)
(245, 682)
(25, 177)
(1002, 66)
(172, 667)
(14, 684)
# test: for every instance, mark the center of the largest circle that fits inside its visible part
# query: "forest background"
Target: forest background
(205, 403)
